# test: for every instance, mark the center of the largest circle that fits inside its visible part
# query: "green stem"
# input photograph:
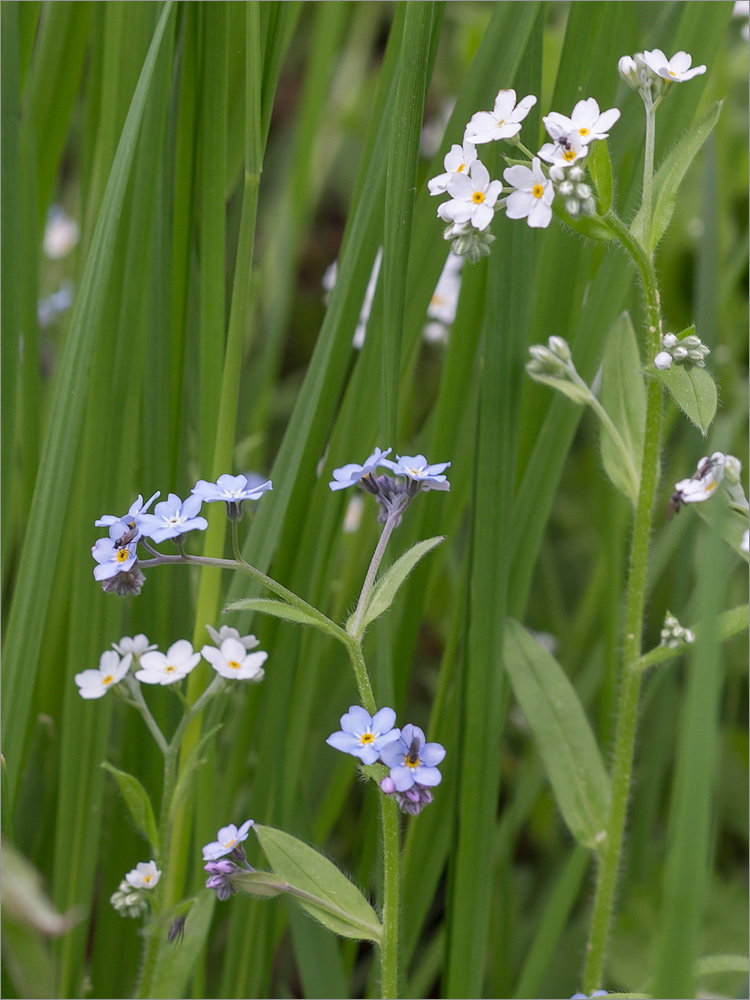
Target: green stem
(648, 177)
(361, 674)
(377, 558)
(731, 622)
(140, 703)
(391, 880)
(627, 717)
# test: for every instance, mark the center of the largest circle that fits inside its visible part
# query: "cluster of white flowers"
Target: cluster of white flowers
(230, 657)
(651, 73)
(673, 634)
(129, 900)
(688, 351)
(474, 197)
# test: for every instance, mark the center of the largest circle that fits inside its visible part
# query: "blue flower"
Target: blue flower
(415, 467)
(584, 996)
(171, 518)
(111, 557)
(136, 507)
(363, 735)
(350, 475)
(412, 761)
(230, 489)
(228, 840)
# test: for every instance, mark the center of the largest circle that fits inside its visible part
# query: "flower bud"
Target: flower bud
(628, 70)
(663, 361)
(679, 353)
(588, 207)
(669, 340)
(565, 188)
(576, 173)
(559, 347)
(573, 207)
(583, 191)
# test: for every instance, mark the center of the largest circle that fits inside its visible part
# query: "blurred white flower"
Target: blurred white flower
(61, 233)
(677, 69)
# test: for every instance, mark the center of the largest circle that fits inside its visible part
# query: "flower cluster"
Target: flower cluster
(553, 365)
(412, 762)
(129, 900)
(555, 170)
(219, 866)
(229, 657)
(116, 556)
(392, 495)
(673, 634)
(687, 351)
(651, 73)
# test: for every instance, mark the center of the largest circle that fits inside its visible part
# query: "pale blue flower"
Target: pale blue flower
(136, 507)
(363, 735)
(350, 475)
(412, 760)
(584, 996)
(111, 557)
(230, 489)
(227, 840)
(416, 468)
(171, 518)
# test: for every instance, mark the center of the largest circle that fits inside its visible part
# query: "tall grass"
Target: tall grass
(218, 157)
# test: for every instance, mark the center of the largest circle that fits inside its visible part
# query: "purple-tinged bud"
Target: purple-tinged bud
(388, 785)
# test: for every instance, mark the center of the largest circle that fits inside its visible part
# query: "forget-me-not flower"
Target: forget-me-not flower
(473, 197)
(585, 120)
(416, 468)
(233, 661)
(503, 122)
(145, 875)
(111, 557)
(412, 760)
(233, 490)
(227, 839)
(169, 667)
(171, 518)
(362, 735)
(137, 645)
(350, 475)
(112, 669)
(674, 70)
(457, 161)
(227, 632)
(533, 195)
(136, 507)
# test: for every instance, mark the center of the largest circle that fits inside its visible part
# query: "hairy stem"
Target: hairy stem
(391, 882)
(373, 568)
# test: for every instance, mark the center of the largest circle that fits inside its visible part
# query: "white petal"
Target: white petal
(504, 103)
(519, 177)
(480, 175)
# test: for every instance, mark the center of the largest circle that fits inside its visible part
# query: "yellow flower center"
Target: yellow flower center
(569, 155)
(412, 760)
(671, 73)
(461, 168)
(477, 197)
(436, 300)
(234, 664)
(537, 190)
(711, 486)
(169, 669)
(366, 738)
(108, 679)
(147, 878)
(501, 122)
(583, 131)
(123, 555)
(230, 843)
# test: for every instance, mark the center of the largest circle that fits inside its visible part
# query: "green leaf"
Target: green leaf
(600, 168)
(176, 962)
(624, 399)
(694, 392)
(586, 225)
(387, 586)
(566, 743)
(138, 802)
(670, 175)
(288, 612)
(192, 761)
(730, 522)
(261, 884)
(319, 886)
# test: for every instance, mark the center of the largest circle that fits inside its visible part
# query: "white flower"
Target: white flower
(227, 632)
(138, 645)
(676, 69)
(745, 543)
(364, 314)
(353, 515)
(564, 151)
(503, 122)
(586, 121)
(627, 67)
(457, 161)
(96, 683)
(473, 198)
(234, 661)
(444, 301)
(663, 361)
(707, 476)
(145, 875)
(533, 197)
(161, 668)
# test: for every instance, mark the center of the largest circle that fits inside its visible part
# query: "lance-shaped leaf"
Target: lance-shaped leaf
(624, 399)
(670, 175)
(694, 392)
(385, 590)
(319, 886)
(590, 226)
(288, 612)
(176, 962)
(138, 802)
(563, 735)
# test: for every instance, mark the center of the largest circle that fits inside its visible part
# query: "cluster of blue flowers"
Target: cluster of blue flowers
(117, 556)
(220, 868)
(392, 495)
(411, 760)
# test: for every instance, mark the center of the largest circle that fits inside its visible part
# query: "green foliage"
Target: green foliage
(138, 803)
(694, 391)
(316, 883)
(566, 743)
(623, 397)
